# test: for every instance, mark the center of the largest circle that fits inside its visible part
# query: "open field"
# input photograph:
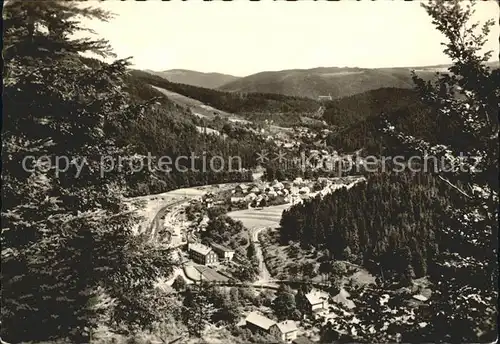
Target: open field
(179, 98)
(266, 217)
(198, 108)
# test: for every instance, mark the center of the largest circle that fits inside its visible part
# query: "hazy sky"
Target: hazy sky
(243, 37)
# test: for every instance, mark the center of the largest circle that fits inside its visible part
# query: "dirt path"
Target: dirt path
(264, 275)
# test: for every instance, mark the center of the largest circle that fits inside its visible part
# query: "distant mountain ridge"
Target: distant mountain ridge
(194, 78)
(337, 82)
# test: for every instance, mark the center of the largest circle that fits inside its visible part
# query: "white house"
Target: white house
(317, 300)
(238, 199)
(285, 330)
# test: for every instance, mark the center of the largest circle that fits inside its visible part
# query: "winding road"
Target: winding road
(156, 224)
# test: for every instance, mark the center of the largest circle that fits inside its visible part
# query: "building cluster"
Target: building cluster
(207, 255)
(259, 192)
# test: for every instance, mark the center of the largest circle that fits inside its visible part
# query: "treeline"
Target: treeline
(390, 220)
(234, 102)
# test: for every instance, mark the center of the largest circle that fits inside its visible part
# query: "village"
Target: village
(258, 205)
(213, 233)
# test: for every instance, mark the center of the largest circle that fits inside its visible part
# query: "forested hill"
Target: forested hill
(323, 81)
(391, 219)
(167, 129)
(238, 103)
(360, 121)
(347, 111)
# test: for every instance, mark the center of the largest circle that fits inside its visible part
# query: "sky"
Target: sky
(242, 37)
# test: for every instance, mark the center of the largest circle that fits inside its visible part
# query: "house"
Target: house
(255, 190)
(250, 197)
(278, 185)
(258, 323)
(304, 190)
(285, 330)
(202, 254)
(272, 193)
(238, 199)
(241, 189)
(298, 181)
(316, 301)
(325, 98)
(302, 340)
(420, 298)
(223, 252)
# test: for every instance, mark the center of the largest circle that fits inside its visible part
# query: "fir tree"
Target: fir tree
(66, 234)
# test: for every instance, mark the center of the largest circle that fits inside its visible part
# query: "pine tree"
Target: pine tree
(463, 307)
(197, 309)
(66, 233)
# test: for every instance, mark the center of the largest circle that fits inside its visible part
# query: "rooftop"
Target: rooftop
(287, 326)
(420, 297)
(315, 297)
(221, 248)
(260, 320)
(199, 248)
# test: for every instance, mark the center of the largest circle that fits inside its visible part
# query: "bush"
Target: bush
(179, 283)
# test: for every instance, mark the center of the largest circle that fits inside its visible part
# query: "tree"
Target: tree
(67, 240)
(301, 302)
(251, 250)
(308, 270)
(284, 303)
(328, 334)
(338, 269)
(465, 99)
(216, 211)
(197, 310)
(179, 283)
(347, 253)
